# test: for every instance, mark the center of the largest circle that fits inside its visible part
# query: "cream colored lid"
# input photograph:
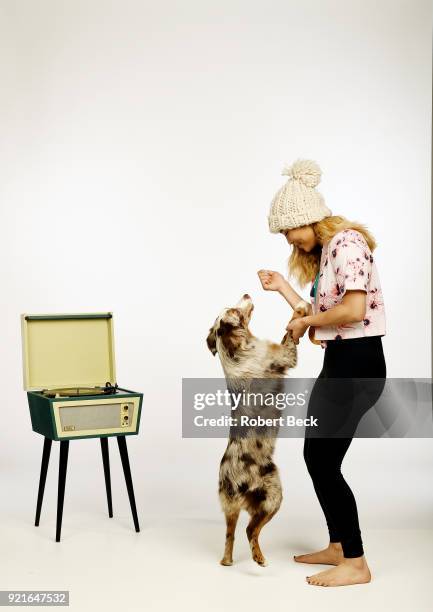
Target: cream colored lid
(67, 350)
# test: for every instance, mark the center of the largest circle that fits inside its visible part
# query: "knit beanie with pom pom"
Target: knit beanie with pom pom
(297, 203)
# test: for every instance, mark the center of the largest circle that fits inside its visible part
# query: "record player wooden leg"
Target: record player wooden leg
(63, 464)
(106, 463)
(121, 441)
(43, 477)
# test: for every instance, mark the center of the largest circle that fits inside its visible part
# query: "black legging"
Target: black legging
(339, 406)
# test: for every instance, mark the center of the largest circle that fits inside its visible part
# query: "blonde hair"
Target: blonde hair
(304, 266)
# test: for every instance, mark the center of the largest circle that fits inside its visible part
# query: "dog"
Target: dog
(248, 477)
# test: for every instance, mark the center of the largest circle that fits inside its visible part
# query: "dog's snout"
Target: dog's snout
(245, 302)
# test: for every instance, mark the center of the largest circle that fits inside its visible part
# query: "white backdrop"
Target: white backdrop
(142, 143)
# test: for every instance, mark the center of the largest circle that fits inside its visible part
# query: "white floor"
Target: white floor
(173, 564)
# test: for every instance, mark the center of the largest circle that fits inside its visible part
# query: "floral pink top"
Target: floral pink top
(347, 263)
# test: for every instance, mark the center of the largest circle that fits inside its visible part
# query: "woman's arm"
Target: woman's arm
(350, 310)
(274, 281)
(293, 298)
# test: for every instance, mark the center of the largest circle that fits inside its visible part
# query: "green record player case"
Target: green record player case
(70, 377)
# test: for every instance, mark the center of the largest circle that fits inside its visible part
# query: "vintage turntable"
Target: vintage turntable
(70, 379)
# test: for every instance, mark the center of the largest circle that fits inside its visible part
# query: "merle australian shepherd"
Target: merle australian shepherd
(248, 477)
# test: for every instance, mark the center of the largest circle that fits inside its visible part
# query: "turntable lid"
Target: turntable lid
(67, 350)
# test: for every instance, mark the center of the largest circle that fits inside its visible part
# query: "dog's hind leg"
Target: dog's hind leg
(231, 522)
(255, 525)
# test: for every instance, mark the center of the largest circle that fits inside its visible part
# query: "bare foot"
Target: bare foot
(332, 555)
(348, 571)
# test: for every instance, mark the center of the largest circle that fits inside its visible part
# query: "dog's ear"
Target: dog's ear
(211, 341)
(230, 341)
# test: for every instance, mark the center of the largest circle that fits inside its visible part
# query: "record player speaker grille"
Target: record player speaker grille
(96, 416)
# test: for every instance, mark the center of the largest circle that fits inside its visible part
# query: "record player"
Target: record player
(70, 378)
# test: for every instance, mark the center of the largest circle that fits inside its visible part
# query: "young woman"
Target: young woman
(347, 318)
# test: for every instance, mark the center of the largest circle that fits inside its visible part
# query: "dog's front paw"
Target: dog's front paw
(287, 336)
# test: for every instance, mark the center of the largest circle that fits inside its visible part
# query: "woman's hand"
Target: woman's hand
(271, 281)
(298, 327)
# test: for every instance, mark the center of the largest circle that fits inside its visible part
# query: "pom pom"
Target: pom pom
(304, 170)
